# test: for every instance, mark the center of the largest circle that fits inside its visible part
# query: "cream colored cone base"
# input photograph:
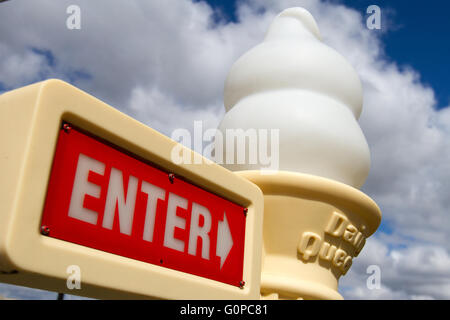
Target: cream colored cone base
(298, 210)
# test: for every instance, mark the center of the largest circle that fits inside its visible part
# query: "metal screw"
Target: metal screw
(171, 177)
(67, 127)
(245, 211)
(241, 284)
(45, 230)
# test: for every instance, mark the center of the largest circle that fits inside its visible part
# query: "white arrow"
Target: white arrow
(224, 240)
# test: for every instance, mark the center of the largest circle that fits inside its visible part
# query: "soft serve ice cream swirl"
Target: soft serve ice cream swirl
(295, 83)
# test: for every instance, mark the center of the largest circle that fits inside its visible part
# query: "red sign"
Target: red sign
(106, 199)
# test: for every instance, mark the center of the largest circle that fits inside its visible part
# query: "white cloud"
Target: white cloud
(19, 67)
(151, 105)
(414, 272)
(165, 62)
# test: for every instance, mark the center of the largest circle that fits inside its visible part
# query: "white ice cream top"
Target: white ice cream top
(295, 83)
(293, 56)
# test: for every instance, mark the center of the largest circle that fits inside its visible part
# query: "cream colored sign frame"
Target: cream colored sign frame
(30, 119)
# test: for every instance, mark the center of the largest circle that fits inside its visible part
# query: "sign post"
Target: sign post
(86, 186)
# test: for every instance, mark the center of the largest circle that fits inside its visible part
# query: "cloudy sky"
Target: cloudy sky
(164, 62)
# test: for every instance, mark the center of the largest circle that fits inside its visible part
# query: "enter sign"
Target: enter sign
(104, 198)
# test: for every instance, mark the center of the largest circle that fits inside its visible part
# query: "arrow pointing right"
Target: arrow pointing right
(224, 240)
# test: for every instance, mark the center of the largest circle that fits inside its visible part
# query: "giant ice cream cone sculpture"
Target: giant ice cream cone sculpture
(315, 220)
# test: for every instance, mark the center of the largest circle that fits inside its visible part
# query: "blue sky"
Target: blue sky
(159, 53)
(418, 36)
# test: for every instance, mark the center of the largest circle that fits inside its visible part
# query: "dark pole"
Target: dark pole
(60, 296)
